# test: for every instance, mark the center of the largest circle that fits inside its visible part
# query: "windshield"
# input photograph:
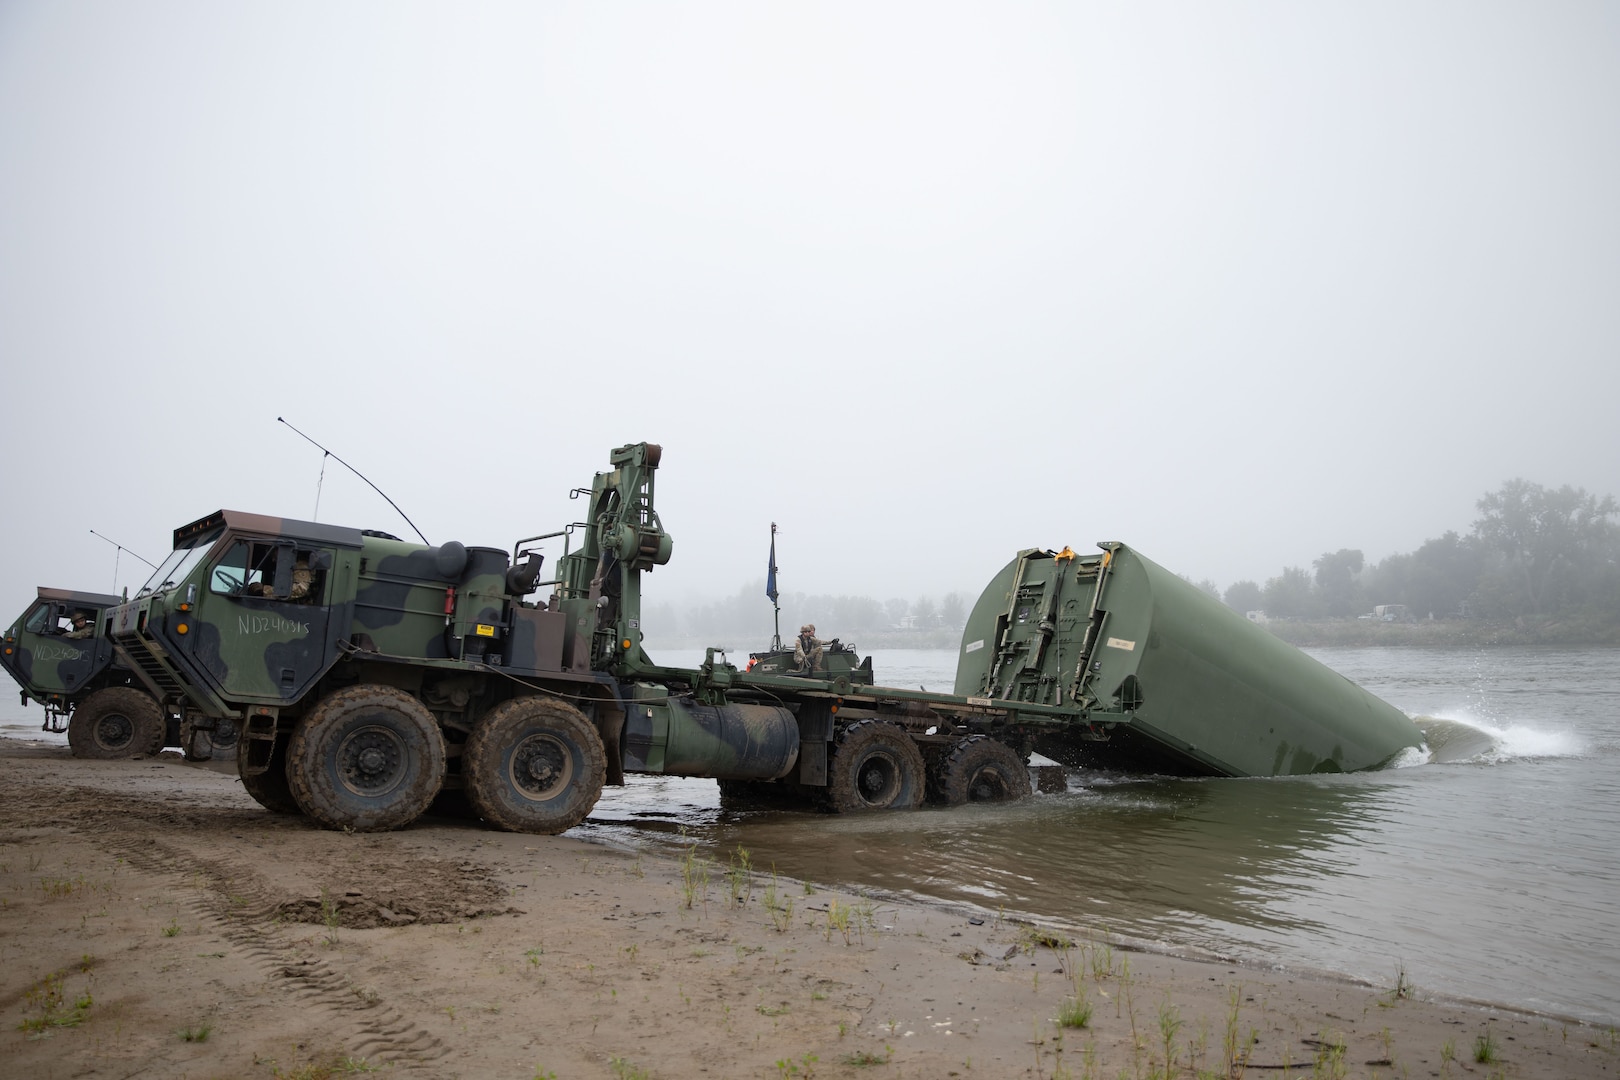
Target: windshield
(174, 569)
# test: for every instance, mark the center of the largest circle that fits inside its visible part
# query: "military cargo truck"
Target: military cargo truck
(59, 653)
(371, 676)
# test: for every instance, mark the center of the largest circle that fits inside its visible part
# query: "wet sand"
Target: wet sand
(156, 922)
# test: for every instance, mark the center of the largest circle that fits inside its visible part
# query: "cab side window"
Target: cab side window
(274, 571)
(247, 569)
(39, 620)
(229, 575)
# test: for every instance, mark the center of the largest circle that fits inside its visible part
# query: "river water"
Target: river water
(1485, 869)
(1488, 868)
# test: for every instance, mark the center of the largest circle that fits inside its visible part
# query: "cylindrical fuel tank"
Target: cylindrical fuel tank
(679, 737)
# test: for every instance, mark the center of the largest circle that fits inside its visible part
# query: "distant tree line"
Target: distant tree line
(1534, 552)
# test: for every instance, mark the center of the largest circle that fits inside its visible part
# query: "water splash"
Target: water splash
(1468, 739)
(1410, 756)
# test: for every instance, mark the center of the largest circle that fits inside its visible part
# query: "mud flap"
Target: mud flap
(258, 741)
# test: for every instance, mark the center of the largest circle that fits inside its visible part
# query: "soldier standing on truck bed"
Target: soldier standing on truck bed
(807, 650)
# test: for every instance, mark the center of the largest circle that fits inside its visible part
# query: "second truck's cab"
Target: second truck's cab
(56, 651)
(62, 656)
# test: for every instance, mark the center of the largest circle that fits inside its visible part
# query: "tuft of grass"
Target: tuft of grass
(54, 1011)
(1486, 1052)
(694, 878)
(1169, 1024)
(1102, 961)
(837, 919)
(197, 1034)
(624, 1070)
(329, 915)
(864, 1058)
(1330, 1063)
(172, 929)
(61, 888)
(1401, 991)
(778, 906)
(865, 912)
(805, 1066)
(1075, 1012)
(740, 878)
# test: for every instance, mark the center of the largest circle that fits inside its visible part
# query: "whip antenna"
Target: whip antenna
(119, 553)
(356, 472)
(121, 547)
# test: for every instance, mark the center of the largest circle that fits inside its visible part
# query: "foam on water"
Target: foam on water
(1410, 756)
(1466, 739)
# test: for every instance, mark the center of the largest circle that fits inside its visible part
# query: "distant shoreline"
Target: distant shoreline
(1445, 633)
(1305, 633)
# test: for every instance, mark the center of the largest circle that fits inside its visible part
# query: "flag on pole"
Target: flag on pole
(770, 575)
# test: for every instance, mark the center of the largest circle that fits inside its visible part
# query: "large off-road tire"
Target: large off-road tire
(980, 769)
(367, 758)
(534, 765)
(225, 735)
(116, 722)
(195, 745)
(269, 788)
(875, 766)
(199, 745)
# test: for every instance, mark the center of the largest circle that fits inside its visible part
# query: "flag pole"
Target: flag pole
(770, 591)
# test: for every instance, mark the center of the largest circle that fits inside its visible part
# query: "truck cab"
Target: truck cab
(61, 655)
(57, 652)
(247, 609)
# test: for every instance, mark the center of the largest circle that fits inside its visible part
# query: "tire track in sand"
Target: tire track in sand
(236, 903)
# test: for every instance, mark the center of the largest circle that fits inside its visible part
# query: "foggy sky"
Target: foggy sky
(924, 284)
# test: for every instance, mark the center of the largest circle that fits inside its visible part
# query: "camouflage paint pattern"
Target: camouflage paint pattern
(1140, 655)
(1100, 644)
(53, 668)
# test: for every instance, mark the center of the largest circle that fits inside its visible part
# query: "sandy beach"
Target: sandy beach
(156, 922)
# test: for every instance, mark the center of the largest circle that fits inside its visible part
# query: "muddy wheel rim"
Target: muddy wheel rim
(225, 734)
(988, 785)
(371, 761)
(877, 780)
(114, 731)
(541, 767)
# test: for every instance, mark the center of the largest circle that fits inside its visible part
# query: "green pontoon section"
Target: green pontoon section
(1160, 673)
